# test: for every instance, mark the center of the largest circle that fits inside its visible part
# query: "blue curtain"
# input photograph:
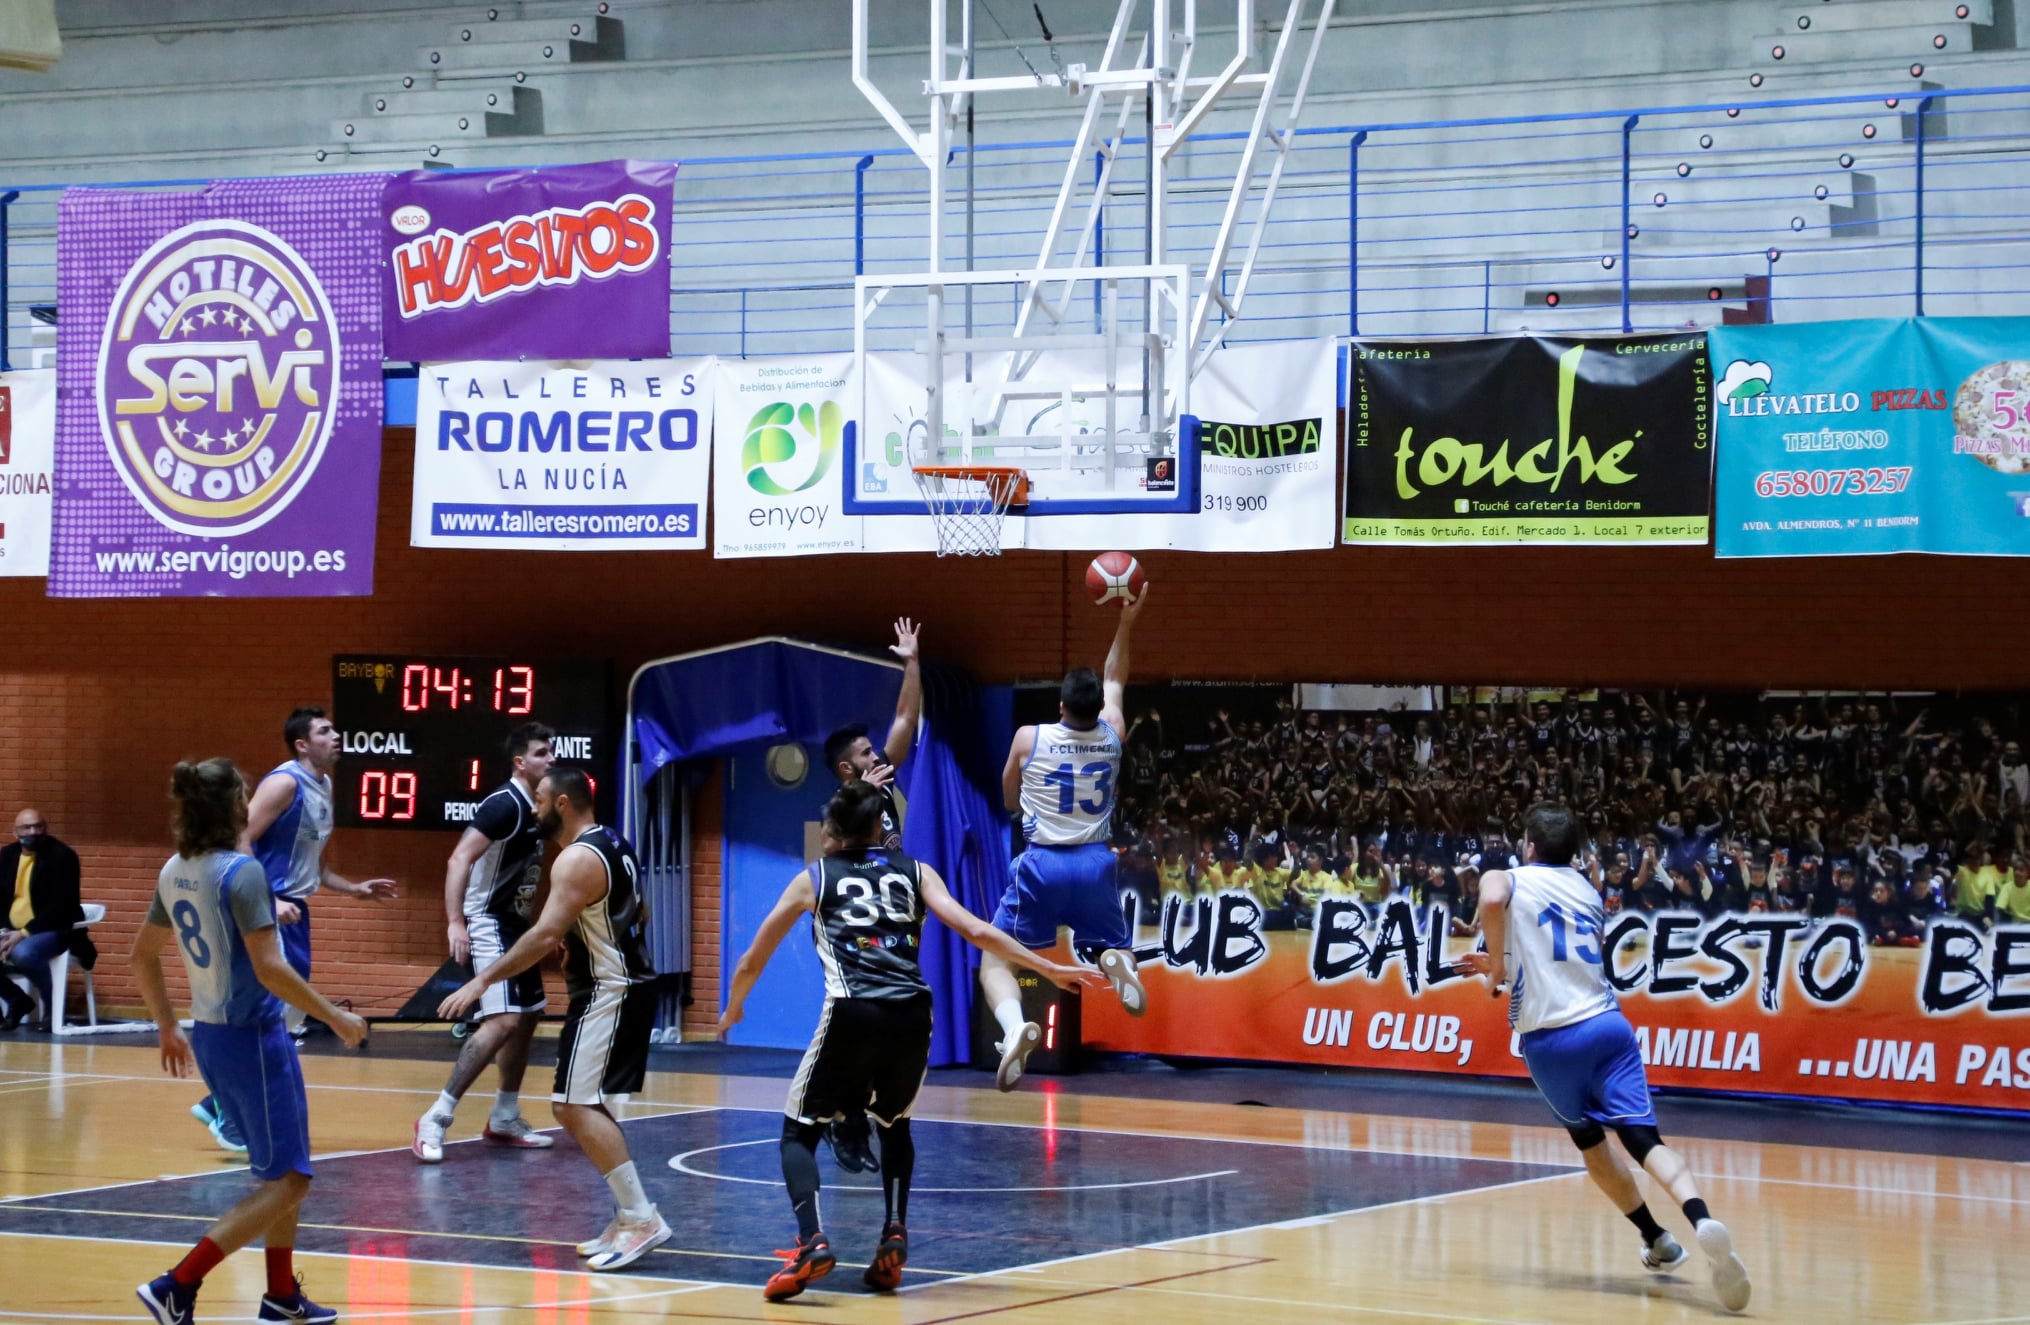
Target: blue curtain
(698, 708)
(955, 823)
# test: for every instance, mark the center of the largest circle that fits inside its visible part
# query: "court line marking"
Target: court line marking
(1875, 1191)
(1093, 1291)
(1170, 1243)
(677, 1162)
(681, 1287)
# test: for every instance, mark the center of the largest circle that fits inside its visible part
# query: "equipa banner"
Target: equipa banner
(570, 262)
(1889, 435)
(1528, 439)
(548, 457)
(219, 379)
(27, 450)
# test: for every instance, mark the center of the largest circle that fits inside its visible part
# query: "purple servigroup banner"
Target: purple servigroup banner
(570, 262)
(218, 426)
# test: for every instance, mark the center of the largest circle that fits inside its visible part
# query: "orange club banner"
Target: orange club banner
(1753, 1004)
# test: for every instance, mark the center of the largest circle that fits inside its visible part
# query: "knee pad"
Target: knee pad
(1640, 1138)
(1586, 1135)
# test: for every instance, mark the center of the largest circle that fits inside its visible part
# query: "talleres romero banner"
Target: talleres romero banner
(1758, 1003)
(1528, 439)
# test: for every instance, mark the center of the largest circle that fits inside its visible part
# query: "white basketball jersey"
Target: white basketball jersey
(1554, 924)
(1068, 785)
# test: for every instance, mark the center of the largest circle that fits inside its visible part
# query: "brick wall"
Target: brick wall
(98, 699)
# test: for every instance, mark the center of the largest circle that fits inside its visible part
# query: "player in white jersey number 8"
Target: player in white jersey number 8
(1542, 922)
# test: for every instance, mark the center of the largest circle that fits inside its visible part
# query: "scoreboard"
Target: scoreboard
(423, 738)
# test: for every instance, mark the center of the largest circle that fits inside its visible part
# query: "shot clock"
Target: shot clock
(422, 738)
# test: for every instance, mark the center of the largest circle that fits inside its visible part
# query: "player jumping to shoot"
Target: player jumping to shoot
(1543, 921)
(1063, 776)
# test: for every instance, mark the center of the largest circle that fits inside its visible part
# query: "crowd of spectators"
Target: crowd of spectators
(1891, 811)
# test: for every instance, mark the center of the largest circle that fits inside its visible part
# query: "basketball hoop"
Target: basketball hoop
(967, 504)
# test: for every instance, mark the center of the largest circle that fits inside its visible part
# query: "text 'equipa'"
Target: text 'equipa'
(557, 246)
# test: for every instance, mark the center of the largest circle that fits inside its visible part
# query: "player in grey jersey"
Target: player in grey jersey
(873, 1038)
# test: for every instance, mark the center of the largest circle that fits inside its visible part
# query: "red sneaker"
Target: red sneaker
(810, 1259)
(884, 1273)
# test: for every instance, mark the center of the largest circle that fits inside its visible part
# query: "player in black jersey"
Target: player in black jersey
(490, 897)
(851, 755)
(596, 909)
(873, 1039)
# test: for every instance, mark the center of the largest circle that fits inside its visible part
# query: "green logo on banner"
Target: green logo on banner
(780, 442)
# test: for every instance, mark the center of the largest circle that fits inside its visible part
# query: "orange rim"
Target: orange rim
(1004, 480)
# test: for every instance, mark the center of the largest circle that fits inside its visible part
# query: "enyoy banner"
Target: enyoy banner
(1267, 454)
(563, 457)
(1528, 439)
(219, 390)
(568, 262)
(1887, 435)
(27, 457)
(777, 486)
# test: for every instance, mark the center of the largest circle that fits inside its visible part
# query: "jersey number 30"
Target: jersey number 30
(1065, 778)
(1582, 926)
(898, 900)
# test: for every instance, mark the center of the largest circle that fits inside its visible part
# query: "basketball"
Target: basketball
(1115, 577)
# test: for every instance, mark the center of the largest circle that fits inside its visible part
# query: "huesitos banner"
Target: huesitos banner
(570, 262)
(218, 425)
(1529, 439)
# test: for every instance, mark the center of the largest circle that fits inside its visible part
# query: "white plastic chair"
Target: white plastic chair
(59, 979)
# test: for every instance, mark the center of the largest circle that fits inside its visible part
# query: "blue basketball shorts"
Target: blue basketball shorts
(253, 1074)
(1591, 1071)
(295, 940)
(1055, 887)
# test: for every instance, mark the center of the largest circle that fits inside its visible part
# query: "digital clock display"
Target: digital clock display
(422, 740)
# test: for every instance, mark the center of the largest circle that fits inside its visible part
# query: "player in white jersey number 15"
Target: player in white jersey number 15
(1543, 923)
(1064, 777)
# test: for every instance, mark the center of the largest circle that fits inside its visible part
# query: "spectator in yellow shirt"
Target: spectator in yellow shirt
(2012, 902)
(1976, 885)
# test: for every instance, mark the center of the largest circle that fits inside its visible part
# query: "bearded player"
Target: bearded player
(1062, 777)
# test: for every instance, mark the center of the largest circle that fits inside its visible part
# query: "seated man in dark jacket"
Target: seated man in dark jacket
(39, 912)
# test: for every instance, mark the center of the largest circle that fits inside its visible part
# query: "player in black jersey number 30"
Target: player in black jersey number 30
(873, 1038)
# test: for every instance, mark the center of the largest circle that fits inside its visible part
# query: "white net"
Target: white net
(967, 507)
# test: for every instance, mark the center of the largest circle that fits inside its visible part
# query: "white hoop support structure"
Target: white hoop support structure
(968, 503)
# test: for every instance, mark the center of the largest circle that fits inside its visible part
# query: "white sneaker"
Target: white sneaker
(630, 1242)
(428, 1147)
(1015, 1054)
(1730, 1276)
(516, 1134)
(1664, 1255)
(1118, 965)
(587, 1250)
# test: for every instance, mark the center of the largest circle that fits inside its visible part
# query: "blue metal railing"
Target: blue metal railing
(1633, 218)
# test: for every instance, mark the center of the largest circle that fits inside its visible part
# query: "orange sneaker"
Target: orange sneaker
(810, 1259)
(884, 1273)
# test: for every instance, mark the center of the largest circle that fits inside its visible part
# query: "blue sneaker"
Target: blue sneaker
(168, 1301)
(227, 1134)
(295, 1308)
(205, 1110)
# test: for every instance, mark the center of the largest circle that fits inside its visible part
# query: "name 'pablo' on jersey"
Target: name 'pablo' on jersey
(1068, 784)
(868, 924)
(1555, 921)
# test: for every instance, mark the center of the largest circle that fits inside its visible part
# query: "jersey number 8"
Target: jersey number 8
(859, 895)
(191, 933)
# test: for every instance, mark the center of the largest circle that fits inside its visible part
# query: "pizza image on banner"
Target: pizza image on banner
(1529, 439)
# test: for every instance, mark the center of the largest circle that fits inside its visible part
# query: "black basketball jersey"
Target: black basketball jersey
(868, 924)
(505, 878)
(609, 944)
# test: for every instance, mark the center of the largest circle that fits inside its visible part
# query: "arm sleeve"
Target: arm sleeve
(497, 817)
(247, 894)
(158, 914)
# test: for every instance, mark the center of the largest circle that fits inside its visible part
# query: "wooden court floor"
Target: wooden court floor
(1832, 1235)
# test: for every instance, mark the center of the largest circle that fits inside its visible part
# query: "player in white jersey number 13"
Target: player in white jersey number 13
(1063, 777)
(1543, 923)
